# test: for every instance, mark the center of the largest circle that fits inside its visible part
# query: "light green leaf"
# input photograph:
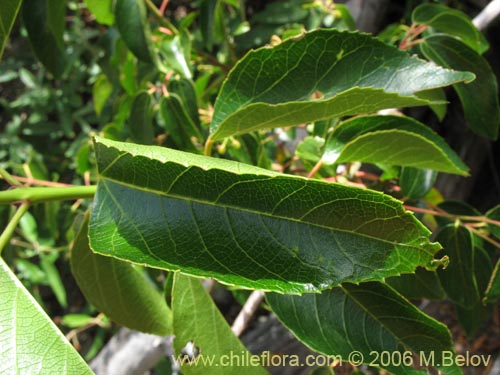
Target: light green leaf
(416, 182)
(76, 320)
(26, 334)
(101, 91)
(310, 149)
(459, 278)
(44, 21)
(53, 278)
(247, 226)
(367, 318)
(479, 98)
(391, 140)
(351, 73)
(10, 8)
(102, 10)
(118, 290)
(452, 22)
(131, 20)
(197, 320)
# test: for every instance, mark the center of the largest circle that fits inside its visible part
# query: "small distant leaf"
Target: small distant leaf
(418, 285)
(274, 87)
(76, 320)
(452, 22)
(391, 140)
(459, 278)
(118, 290)
(247, 226)
(494, 214)
(207, 16)
(197, 320)
(27, 334)
(176, 53)
(184, 88)
(479, 98)
(370, 317)
(10, 8)
(101, 91)
(132, 23)
(311, 149)
(416, 182)
(102, 10)
(53, 277)
(44, 21)
(140, 122)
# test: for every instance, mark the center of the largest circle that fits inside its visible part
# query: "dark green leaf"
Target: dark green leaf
(53, 277)
(421, 284)
(118, 290)
(132, 23)
(207, 15)
(458, 208)
(184, 88)
(479, 98)
(438, 105)
(493, 289)
(451, 21)
(273, 87)
(176, 52)
(459, 278)
(140, 122)
(247, 226)
(370, 317)
(494, 214)
(102, 10)
(197, 320)
(391, 140)
(416, 182)
(10, 8)
(28, 334)
(101, 91)
(44, 21)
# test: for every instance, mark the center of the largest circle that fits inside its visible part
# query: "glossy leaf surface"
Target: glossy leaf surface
(391, 140)
(273, 87)
(364, 318)
(10, 8)
(452, 22)
(247, 226)
(197, 320)
(480, 97)
(118, 290)
(416, 182)
(30, 343)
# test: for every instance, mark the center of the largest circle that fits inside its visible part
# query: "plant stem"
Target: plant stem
(208, 147)
(11, 226)
(34, 181)
(247, 312)
(315, 169)
(483, 236)
(445, 214)
(164, 21)
(44, 194)
(9, 178)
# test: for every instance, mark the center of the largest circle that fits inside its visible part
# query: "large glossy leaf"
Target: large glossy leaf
(30, 343)
(459, 278)
(10, 8)
(451, 21)
(197, 320)
(247, 226)
(130, 17)
(416, 182)
(351, 73)
(117, 289)
(479, 98)
(44, 21)
(367, 318)
(392, 140)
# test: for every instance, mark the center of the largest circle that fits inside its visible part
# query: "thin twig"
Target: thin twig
(445, 214)
(34, 181)
(315, 169)
(483, 236)
(158, 14)
(11, 226)
(9, 178)
(247, 312)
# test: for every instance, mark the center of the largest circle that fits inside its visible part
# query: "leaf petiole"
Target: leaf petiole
(11, 226)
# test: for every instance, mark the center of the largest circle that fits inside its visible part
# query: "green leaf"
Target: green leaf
(197, 320)
(459, 278)
(101, 91)
(273, 87)
(176, 52)
(44, 21)
(27, 333)
(53, 278)
(494, 214)
(367, 318)
(140, 122)
(247, 226)
(131, 20)
(10, 8)
(416, 182)
(118, 290)
(207, 15)
(310, 149)
(392, 140)
(184, 88)
(452, 22)
(102, 10)
(418, 285)
(479, 98)
(76, 320)
(493, 289)
(438, 105)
